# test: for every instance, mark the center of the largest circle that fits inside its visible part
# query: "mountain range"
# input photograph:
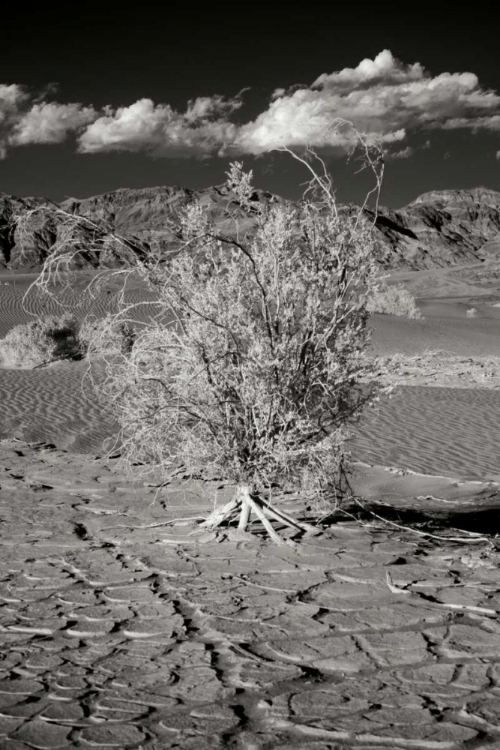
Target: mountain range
(437, 230)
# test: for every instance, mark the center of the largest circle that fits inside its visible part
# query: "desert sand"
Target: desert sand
(123, 628)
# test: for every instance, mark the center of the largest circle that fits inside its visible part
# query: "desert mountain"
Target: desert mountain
(437, 230)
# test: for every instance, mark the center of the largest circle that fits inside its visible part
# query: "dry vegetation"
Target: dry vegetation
(106, 335)
(41, 342)
(393, 300)
(256, 365)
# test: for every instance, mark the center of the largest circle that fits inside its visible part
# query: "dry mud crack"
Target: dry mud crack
(119, 632)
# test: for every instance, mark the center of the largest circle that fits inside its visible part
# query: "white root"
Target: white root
(244, 504)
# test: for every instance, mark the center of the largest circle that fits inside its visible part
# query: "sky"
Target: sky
(96, 96)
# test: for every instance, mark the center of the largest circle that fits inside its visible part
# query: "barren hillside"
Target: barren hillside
(437, 230)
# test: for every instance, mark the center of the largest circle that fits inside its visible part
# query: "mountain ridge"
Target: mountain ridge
(439, 228)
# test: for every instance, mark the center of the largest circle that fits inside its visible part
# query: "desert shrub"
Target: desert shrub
(262, 368)
(393, 300)
(40, 342)
(108, 334)
(255, 366)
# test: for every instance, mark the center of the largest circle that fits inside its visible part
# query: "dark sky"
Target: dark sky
(103, 53)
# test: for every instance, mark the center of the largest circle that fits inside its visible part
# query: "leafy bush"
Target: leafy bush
(40, 342)
(393, 300)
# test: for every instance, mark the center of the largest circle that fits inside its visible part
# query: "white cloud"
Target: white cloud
(491, 122)
(309, 117)
(23, 121)
(208, 107)
(386, 100)
(12, 98)
(50, 123)
(129, 128)
(403, 153)
(159, 129)
(383, 68)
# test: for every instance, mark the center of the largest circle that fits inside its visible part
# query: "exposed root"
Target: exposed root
(224, 513)
(243, 505)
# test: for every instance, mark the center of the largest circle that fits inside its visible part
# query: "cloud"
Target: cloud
(208, 107)
(491, 123)
(384, 98)
(383, 68)
(25, 120)
(387, 101)
(50, 123)
(162, 131)
(12, 98)
(403, 153)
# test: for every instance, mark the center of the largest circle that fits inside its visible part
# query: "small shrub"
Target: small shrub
(393, 300)
(39, 342)
(109, 335)
(471, 312)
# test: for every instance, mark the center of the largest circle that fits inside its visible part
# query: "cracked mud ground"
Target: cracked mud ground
(120, 631)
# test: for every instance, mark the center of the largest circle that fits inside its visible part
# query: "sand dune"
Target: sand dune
(444, 431)
(20, 304)
(53, 404)
(445, 327)
(451, 432)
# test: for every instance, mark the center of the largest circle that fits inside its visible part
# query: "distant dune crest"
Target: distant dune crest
(438, 229)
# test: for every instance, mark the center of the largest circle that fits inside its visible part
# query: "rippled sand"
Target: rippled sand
(445, 431)
(54, 404)
(21, 304)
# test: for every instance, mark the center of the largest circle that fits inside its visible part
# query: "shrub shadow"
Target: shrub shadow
(470, 518)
